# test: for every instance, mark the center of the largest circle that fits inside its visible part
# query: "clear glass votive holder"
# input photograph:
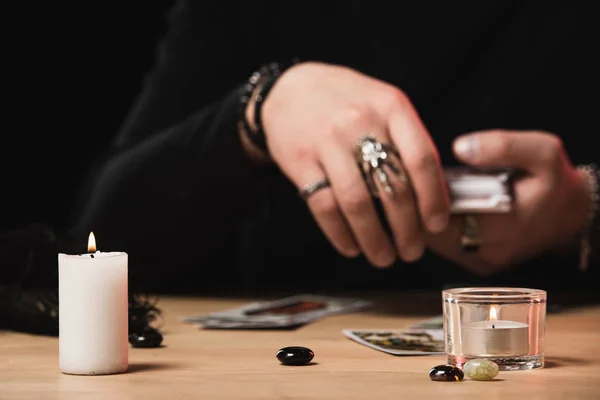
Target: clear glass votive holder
(501, 324)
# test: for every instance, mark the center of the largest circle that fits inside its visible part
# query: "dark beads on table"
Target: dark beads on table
(148, 338)
(295, 355)
(446, 373)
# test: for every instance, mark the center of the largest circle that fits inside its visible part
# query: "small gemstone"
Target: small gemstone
(295, 355)
(481, 370)
(148, 338)
(446, 373)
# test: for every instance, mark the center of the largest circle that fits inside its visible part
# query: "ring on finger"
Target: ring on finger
(307, 190)
(372, 156)
(470, 237)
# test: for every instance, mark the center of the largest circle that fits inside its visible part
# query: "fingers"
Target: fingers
(422, 164)
(326, 212)
(402, 216)
(498, 251)
(530, 151)
(356, 204)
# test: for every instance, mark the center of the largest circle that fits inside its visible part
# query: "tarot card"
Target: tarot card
(436, 323)
(223, 324)
(290, 311)
(408, 342)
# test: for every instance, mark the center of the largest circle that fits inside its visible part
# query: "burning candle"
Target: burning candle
(495, 337)
(93, 312)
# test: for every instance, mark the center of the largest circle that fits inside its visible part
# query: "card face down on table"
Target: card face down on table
(283, 313)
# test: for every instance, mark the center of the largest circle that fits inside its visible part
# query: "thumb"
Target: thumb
(528, 151)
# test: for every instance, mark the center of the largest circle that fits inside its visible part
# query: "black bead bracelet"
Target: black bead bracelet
(260, 84)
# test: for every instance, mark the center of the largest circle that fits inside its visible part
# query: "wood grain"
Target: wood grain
(204, 364)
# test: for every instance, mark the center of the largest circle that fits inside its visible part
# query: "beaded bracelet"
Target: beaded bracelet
(260, 84)
(263, 91)
(590, 241)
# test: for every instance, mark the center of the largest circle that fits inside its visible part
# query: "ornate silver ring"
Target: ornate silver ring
(374, 157)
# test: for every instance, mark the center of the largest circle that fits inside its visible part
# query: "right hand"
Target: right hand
(312, 118)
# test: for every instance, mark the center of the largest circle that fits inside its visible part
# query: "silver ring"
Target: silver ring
(470, 237)
(313, 187)
(372, 156)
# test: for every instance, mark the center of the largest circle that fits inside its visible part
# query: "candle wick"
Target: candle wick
(493, 326)
(91, 255)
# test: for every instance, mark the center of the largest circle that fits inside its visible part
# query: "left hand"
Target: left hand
(550, 201)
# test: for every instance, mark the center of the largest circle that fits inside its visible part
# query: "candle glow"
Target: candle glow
(493, 314)
(91, 243)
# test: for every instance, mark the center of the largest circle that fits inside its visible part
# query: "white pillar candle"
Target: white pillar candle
(93, 312)
(495, 338)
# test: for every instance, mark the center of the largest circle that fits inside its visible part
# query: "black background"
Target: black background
(71, 75)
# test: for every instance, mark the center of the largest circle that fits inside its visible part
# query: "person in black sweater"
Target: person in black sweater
(200, 206)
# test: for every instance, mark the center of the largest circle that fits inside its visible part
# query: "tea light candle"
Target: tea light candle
(93, 312)
(495, 337)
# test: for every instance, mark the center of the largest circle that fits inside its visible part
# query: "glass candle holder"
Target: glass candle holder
(503, 325)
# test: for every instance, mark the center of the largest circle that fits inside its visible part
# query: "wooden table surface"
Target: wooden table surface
(210, 364)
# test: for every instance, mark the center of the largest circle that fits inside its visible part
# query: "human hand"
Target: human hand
(312, 118)
(551, 201)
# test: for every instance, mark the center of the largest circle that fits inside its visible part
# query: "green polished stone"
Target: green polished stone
(481, 370)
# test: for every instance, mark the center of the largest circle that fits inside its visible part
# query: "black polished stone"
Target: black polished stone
(295, 355)
(148, 338)
(446, 373)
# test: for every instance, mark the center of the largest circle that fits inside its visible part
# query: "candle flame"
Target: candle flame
(493, 313)
(91, 243)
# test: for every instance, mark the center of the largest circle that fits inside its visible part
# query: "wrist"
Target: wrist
(572, 225)
(590, 238)
(251, 99)
(582, 205)
(255, 154)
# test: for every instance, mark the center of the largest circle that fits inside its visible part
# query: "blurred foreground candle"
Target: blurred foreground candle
(93, 312)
